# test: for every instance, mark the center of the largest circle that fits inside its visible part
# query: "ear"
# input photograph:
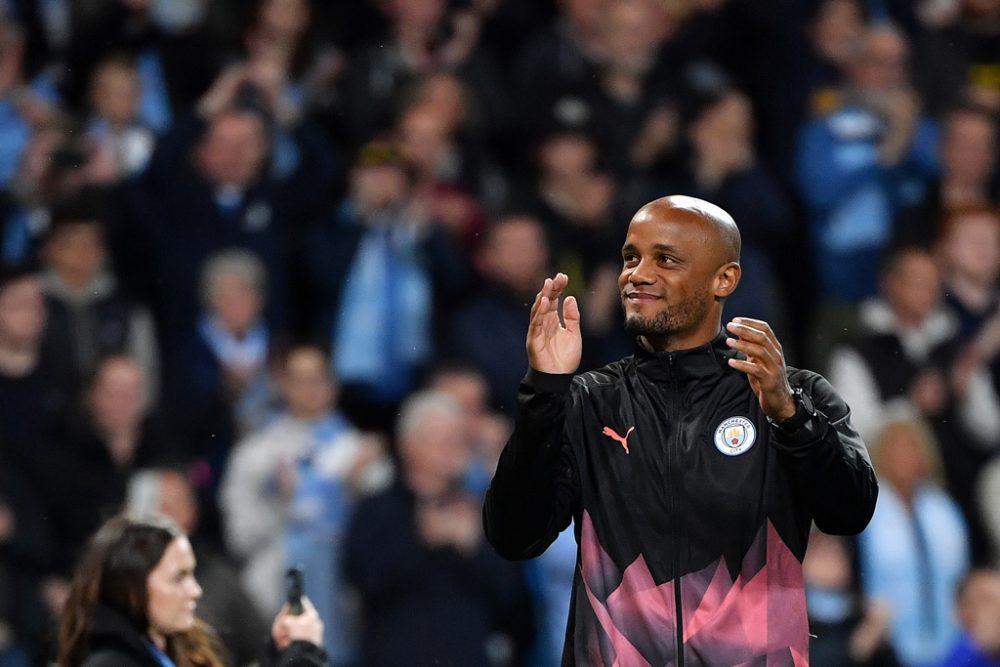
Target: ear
(726, 279)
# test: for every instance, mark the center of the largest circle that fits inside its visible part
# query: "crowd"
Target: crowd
(266, 267)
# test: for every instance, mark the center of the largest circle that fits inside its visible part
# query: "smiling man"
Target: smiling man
(692, 469)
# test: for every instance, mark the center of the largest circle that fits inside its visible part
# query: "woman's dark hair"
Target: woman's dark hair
(114, 572)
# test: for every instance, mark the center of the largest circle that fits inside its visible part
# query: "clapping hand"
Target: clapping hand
(554, 346)
(764, 365)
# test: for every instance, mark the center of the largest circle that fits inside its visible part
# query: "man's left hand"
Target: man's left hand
(764, 365)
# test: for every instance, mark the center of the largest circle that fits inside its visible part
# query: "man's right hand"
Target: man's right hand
(554, 346)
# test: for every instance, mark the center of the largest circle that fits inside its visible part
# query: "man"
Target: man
(692, 488)
(431, 591)
(857, 166)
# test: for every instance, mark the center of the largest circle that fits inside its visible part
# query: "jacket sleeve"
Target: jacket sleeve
(827, 461)
(535, 489)
(300, 654)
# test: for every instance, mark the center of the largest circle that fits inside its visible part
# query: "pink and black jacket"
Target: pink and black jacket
(691, 512)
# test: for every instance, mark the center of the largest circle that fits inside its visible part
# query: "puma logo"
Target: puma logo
(610, 432)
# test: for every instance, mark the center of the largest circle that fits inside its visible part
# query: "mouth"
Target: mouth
(640, 297)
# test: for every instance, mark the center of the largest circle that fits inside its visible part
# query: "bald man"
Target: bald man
(692, 469)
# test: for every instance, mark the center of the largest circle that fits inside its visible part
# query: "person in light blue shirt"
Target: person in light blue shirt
(915, 550)
(859, 164)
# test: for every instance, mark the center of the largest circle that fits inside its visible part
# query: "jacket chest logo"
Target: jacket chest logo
(735, 436)
(622, 440)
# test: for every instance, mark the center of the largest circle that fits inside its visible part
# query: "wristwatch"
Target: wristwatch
(804, 411)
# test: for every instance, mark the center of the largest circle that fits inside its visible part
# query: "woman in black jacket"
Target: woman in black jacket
(132, 604)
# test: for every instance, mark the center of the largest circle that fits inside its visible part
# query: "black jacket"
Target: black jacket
(691, 512)
(115, 642)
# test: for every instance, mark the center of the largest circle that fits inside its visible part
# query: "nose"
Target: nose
(639, 274)
(195, 589)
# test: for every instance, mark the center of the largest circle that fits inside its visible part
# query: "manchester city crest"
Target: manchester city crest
(735, 436)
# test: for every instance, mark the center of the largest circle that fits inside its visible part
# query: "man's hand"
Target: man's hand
(764, 365)
(554, 346)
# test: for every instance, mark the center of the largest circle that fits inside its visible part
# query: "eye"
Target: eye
(630, 257)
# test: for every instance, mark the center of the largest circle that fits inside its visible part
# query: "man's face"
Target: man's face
(306, 384)
(838, 29)
(236, 302)
(233, 150)
(517, 254)
(76, 252)
(883, 64)
(115, 93)
(913, 288)
(670, 260)
(968, 151)
(118, 397)
(438, 448)
(378, 187)
(971, 248)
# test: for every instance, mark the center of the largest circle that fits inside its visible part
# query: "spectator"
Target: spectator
(88, 317)
(114, 124)
(969, 255)
(724, 168)
(891, 368)
(978, 606)
(224, 605)
(54, 166)
(486, 431)
(844, 630)
(447, 183)
(630, 101)
(578, 203)
(380, 257)
(556, 64)
(98, 447)
(423, 36)
(222, 197)
(967, 153)
(915, 550)
(856, 167)
(30, 402)
(222, 387)
(289, 490)
(834, 32)
(431, 589)
(955, 53)
(513, 259)
(133, 603)
(15, 128)
(551, 579)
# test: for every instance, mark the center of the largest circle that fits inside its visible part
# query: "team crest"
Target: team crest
(735, 436)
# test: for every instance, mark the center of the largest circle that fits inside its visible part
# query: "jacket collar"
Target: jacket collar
(112, 630)
(696, 363)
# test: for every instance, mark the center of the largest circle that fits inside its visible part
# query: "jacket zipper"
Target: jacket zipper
(672, 469)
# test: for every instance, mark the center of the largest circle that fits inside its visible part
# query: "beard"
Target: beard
(672, 320)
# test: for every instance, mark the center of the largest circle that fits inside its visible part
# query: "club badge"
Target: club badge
(735, 436)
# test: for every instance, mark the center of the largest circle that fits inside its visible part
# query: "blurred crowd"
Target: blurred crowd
(266, 268)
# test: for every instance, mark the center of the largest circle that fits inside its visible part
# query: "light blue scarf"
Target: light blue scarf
(382, 330)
